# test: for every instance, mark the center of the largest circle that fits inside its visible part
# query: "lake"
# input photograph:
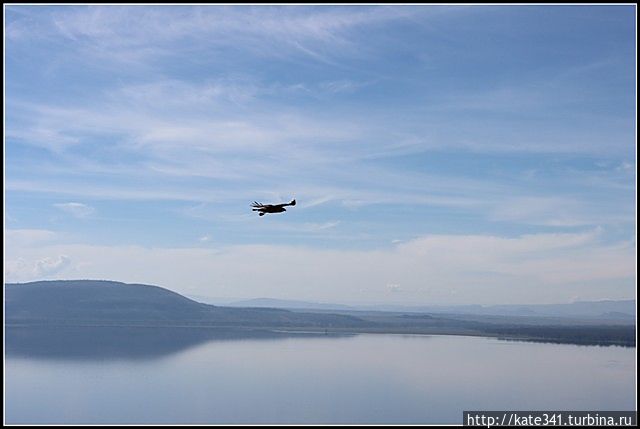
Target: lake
(184, 375)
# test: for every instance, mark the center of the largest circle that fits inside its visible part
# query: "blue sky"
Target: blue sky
(439, 154)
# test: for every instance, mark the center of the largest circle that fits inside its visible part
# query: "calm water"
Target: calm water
(151, 376)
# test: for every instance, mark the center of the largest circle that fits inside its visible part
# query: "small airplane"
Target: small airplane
(271, 208)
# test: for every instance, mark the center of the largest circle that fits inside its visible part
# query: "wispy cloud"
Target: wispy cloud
(26, 237)
(115, 33)
(527, 268)
(77, 210)
(385, 123)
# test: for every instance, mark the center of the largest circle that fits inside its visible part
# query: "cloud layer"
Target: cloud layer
(440, 269)
(438, 154)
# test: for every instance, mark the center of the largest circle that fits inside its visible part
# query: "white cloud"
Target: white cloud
(50, 266)
(560, 211)
(117, 34)
(180, 94)
(28, 237)
(16, 270)
(28, 269)
(305, 227)
(482, 269)
(166, 132)
(77, 210)
(47, 137)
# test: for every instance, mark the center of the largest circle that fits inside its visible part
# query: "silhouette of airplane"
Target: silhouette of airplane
(271, 208)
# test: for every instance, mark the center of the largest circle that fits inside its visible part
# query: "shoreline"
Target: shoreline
(331, 331)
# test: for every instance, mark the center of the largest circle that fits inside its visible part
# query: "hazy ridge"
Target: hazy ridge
(91, 301)
(107, 303)
(604, 309)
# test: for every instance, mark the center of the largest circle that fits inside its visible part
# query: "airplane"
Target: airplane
(271, 208)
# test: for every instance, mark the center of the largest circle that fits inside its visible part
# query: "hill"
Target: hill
(101, 304)
(78, 302)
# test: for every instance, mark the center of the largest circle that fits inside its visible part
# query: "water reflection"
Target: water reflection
(245, 377)
(112, 342)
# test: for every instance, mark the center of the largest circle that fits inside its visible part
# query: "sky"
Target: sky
(438, 154)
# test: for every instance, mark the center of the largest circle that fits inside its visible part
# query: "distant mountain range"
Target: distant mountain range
(607, 309)
(292, 304)
(107, 304)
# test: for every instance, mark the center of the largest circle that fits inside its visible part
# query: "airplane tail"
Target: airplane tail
(293, 202)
